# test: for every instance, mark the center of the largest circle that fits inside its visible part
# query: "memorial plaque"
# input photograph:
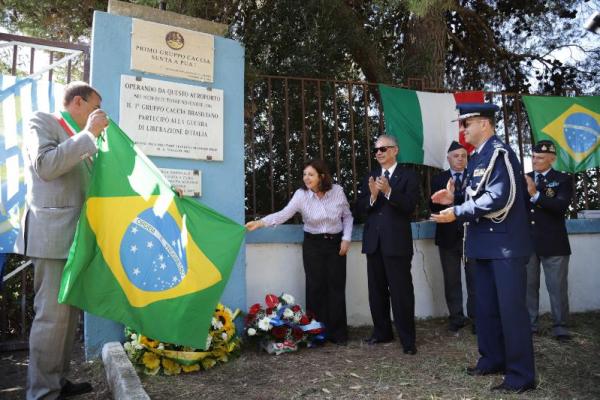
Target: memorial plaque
(190, 180)
(172, 119)
(171, 51)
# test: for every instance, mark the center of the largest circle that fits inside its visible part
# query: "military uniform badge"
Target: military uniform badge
(478, 172)
(550, 192)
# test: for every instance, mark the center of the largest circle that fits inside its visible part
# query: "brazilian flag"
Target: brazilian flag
(143, 256)
(573, 124)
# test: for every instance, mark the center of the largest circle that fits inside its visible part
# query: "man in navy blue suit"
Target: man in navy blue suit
(499, 244)
(388, 197)
(550, 193)
(449, 239)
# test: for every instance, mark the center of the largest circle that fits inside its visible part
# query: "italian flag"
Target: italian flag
(424, 123)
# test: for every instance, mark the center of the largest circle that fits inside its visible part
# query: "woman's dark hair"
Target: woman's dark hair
(323, 171)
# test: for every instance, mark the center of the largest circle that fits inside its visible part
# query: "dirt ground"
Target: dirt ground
(359, 371)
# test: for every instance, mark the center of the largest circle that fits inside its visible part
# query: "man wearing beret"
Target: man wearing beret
(449, 239)
(499, 244)
(550, 193)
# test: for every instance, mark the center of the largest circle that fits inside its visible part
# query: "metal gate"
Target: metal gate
(26, 57)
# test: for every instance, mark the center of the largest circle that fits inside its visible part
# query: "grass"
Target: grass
(359, 371)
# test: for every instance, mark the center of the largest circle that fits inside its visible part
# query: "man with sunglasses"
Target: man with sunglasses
(56, 151)
(499, 245)
(388, 197)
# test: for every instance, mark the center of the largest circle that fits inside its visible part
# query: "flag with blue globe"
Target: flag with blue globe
(156, 241)
(142, 255)
(572, 123)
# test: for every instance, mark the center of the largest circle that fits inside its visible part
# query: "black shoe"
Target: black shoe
(410, 350)
(373, 340)
(476, 371)
(504, 388)
(71, 389)
(563, 338)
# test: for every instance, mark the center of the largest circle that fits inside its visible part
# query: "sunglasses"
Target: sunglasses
(382, 149)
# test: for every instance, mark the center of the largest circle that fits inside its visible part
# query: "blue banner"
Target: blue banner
(19, 98)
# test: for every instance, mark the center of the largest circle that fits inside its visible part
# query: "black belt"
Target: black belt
(325, 236)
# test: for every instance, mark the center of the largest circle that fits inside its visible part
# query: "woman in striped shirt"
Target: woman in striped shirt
(327, 234)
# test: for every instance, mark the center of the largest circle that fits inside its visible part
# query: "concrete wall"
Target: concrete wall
(222, 181)
(274, 265)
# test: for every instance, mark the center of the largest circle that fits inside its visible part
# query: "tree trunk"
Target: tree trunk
(425, 49)
(360, 45)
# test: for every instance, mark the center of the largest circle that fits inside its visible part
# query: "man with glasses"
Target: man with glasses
(56, 151)
(499, 245)
(388, 197)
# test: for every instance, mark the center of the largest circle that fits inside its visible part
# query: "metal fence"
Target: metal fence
(288, 120)
(292, 119)
(58, 62)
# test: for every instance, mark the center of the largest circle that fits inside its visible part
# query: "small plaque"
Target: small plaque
(171, 51)
(190, 180)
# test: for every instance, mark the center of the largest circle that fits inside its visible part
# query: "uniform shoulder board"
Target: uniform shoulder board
(498, 144)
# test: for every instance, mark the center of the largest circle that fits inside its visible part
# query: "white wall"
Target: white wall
(277, 268)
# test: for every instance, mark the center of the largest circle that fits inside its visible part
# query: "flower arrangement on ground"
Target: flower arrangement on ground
(282, 325)
(154, 356)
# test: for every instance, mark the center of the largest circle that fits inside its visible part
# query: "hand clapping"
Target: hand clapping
(531, 188)
(444, 196)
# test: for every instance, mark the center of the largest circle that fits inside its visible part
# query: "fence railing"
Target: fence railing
(57, 62)
(292, 119)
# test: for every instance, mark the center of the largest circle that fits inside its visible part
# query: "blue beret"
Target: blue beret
(455, 146)
(544, 146)
(468, 110)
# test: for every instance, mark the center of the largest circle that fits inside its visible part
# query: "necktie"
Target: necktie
(538, 180)
(387, 174)
(457, 182)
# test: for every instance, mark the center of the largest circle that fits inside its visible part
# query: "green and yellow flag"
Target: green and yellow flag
(572, 123)
(143, 256)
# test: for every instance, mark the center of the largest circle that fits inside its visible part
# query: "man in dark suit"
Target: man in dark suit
(550, 193)
(388, 197)
(449, 239)
(499, 243)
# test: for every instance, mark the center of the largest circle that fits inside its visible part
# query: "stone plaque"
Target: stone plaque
(171, 51)
(172, 119)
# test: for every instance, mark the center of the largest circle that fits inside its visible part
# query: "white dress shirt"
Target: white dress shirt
(329, 214)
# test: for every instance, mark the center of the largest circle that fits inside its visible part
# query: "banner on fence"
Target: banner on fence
(424, 123)
(19, 98)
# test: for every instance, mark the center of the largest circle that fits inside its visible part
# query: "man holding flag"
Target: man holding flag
(57, 172)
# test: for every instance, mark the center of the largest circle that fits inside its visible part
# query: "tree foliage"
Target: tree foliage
(496, 44)
(525, 46)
